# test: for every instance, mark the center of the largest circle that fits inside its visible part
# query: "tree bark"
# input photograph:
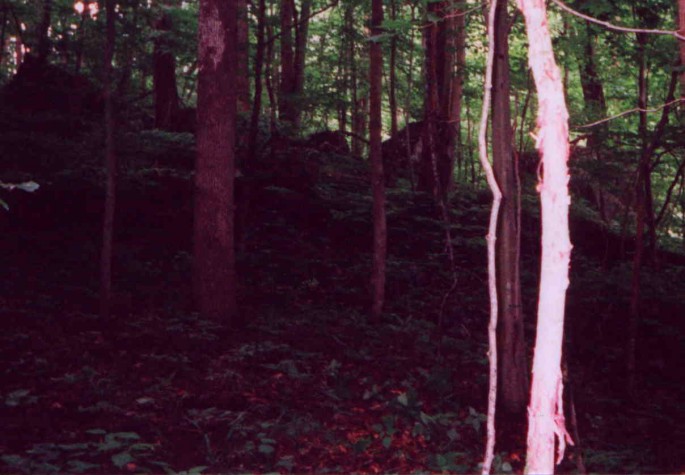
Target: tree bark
(258, 65)
(513, 366)
(392, 93)
(243, 47)
(110, 167)
(545, 411)
(43, 46)
(164, 74)
(301, 36)
(681, 49)
(286, 106)
(438, 136)
(214, 281)
(457, 89)
(376, 159)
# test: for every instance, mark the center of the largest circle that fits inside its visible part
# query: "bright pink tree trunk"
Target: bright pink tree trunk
(545, 412)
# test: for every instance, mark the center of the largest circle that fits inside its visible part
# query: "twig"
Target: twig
(611, 26)
(630, 111)
(491, 238)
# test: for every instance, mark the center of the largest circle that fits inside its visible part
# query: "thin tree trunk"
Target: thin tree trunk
(457, 89)
(269, 78)
(242, 48)
(511, 343)
(164, 74)
(392, 93)
(43, 47)
(681, 48)
(491, 241)
(258, 65)
(641, 203)
(376, 159)
(301, 36)
(546, 409)
(2, 34)
(110, 167)
(214, 281)
(286, 111)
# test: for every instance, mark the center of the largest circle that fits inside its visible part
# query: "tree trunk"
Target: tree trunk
(214, 281)
(376, 159)
(301, 35)
(513, 366)
(438, 137)
(270, 76)
(110, 167)
(2, 34)
(243, 47)
(457, 89)
(681, 47)
(164, 74)
(392, 93)
(43, 46)
(258, 65)
(545, 411)
(286, 106)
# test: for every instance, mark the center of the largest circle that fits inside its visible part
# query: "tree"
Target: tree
(286, 99)
(242, 76)
(376, 159)
(164, 72)
(110, 167)
(214, 281)
(546, 411)
(512, 348)
(681, 48)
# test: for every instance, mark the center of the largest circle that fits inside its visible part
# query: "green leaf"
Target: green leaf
(403, 399)
(387, 442)
(4, 205)
(122, 458)
(506, 467)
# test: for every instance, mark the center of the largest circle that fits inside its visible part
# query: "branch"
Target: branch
(678, 174)
(630, 111)
(301, 21)
(611, 26)
(491, 238)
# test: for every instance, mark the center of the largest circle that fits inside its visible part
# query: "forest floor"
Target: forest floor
(308, 386)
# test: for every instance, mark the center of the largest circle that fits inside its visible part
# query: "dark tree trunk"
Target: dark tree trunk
(258, 65)
(242, 48)
(286, 106)
(2, 34)
(110, 167)
(164, 74)
(376, 159)
(270, 76)
(457, 90)
(513, 374)
(301, 35)
(392, 93)
(214, 281)
(43, 47)
(681, 46)
(438, 136)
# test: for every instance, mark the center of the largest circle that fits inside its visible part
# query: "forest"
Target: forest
(342, 236)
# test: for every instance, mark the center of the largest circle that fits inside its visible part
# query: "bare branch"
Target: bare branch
(611, 26)
(629, 111)
(491, 238)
